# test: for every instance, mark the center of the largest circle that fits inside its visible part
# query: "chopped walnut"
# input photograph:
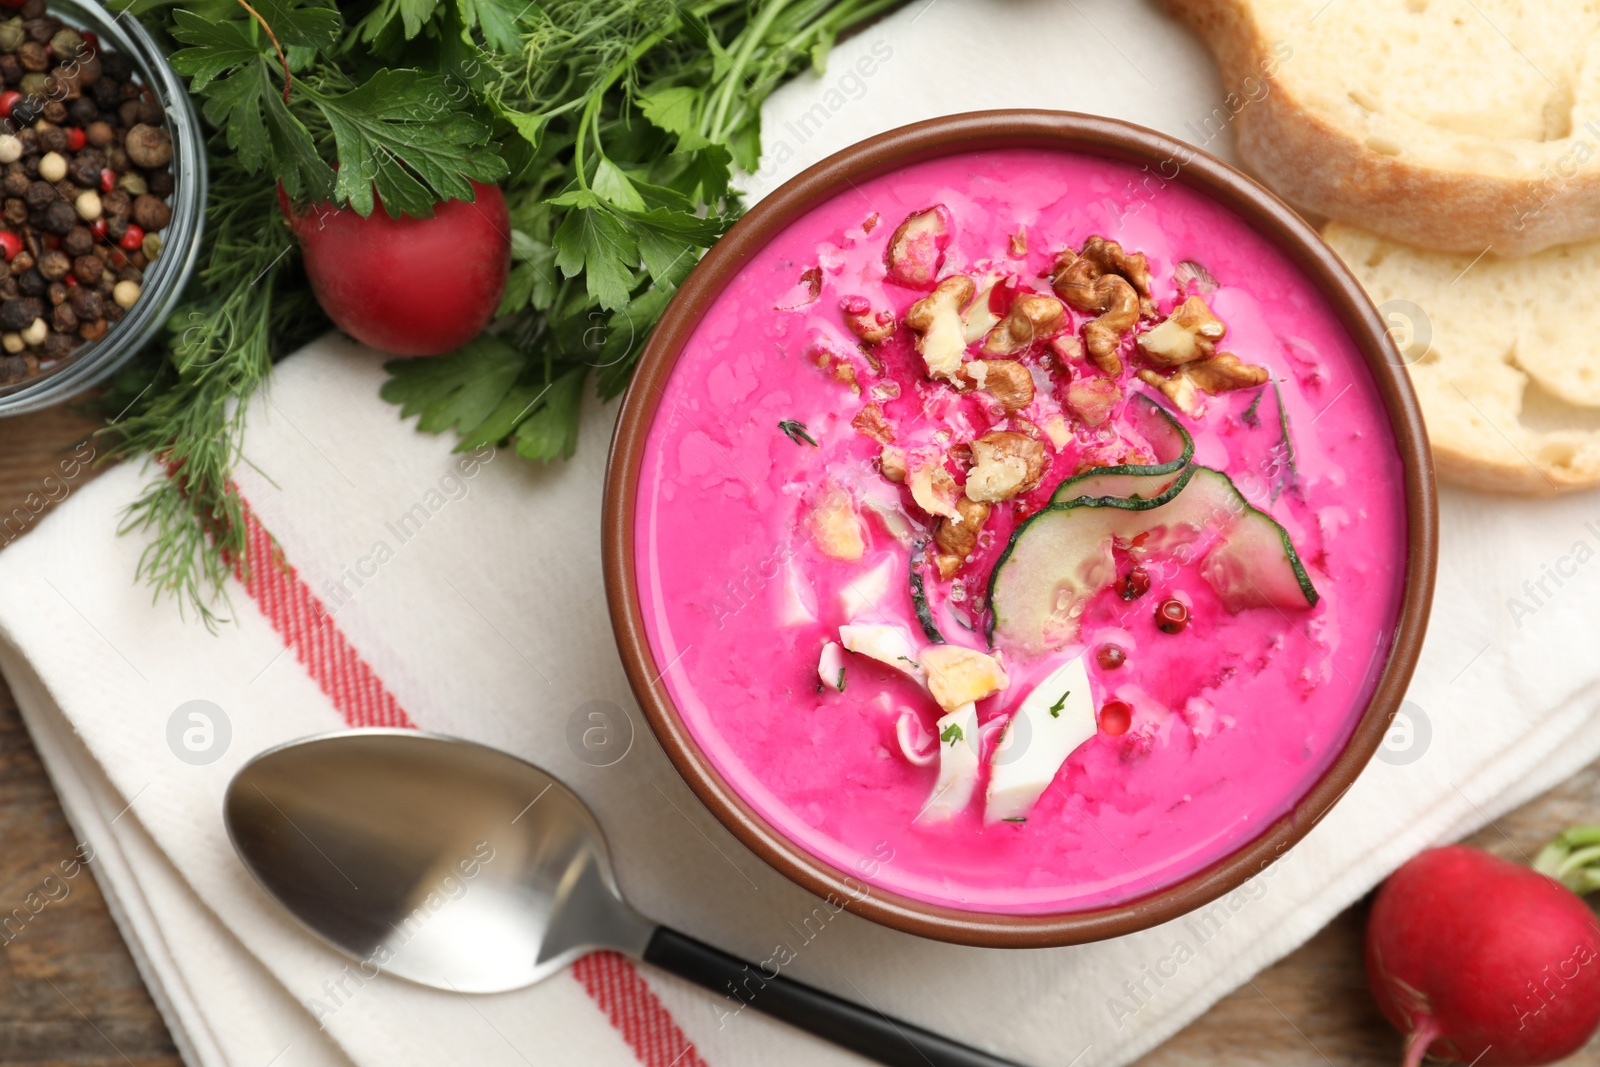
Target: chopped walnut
(1066, 347)
(1225, 372)
(870, 421)
(873, 327)
(1032, 318)
(1019, 243)
(837, 365)
(1111, 259)
(1004, 464)
(979, 318)
(936, 318)
(1190, 333)
(916, 249)
(892, 463)
(1082, 281)
(1179, 389)
(933, 489)
(1057, 430)
(1004, 379)
(1092, 399)
(835, 525)
(1221, 373)
(957, 537)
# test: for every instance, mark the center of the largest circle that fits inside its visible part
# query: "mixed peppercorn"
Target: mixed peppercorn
(85, 183)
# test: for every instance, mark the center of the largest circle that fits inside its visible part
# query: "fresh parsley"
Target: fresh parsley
(796, 432)
(951, 734)
(613, 126)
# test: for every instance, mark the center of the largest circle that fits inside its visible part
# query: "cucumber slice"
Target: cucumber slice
(1255, 566)
(1061, 556)
(1173, 447)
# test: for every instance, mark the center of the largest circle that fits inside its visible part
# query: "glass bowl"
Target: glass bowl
(91, 363)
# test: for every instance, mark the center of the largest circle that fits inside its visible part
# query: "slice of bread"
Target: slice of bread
(1450, 124)
(1501, 354)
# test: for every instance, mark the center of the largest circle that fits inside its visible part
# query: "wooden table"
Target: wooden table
(69, 993)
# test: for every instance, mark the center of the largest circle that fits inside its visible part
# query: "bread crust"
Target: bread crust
(1410, 201)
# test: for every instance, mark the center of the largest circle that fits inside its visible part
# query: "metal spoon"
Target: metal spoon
(460, 867)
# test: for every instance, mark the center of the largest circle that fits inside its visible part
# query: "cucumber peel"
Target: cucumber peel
(919, 598)
(1136, 483)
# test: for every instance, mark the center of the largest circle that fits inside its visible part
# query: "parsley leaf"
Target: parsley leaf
(952, 734)
(1055, 709)
(391, 132)
(495, 19)
(591, 240)
(552, 431)
(457, 391)
(411, 15)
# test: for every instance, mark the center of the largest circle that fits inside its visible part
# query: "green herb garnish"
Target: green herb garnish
(1055, 709)
(1249, 416)
(952, 734)
(613, 126)
(840, 685)
(796, 432)
(1015, 818)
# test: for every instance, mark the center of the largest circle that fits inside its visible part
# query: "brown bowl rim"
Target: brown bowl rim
(989, 130)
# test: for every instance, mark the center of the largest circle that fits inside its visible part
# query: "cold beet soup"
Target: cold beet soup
(1044, 537)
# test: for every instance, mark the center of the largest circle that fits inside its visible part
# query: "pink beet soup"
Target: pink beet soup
(854, 438)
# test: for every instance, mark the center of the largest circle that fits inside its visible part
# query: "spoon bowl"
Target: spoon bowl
(438, 860)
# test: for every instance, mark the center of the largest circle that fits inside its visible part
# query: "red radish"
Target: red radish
(413, 287)
(1478, 960)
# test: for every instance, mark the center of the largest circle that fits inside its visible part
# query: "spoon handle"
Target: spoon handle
(862, 1030)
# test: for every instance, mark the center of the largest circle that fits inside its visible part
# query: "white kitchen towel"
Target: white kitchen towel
(465, 596)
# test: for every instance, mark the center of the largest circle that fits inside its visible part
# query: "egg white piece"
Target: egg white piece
(830, 666)
(887, 644)
(958, 765)
(1038, 741)
(867, 591)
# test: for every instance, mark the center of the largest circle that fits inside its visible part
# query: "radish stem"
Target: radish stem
(1573, 859)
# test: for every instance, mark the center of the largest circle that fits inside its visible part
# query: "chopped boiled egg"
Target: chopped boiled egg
(830, 666)
(884, 643)
(958, 766)
(799, 607)
(917, 745)
(958, 676)
(1052, 721)
(868, 590)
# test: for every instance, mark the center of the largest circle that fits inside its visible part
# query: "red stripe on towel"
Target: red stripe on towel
(611, 980)
(616, 985)
(309, 630)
